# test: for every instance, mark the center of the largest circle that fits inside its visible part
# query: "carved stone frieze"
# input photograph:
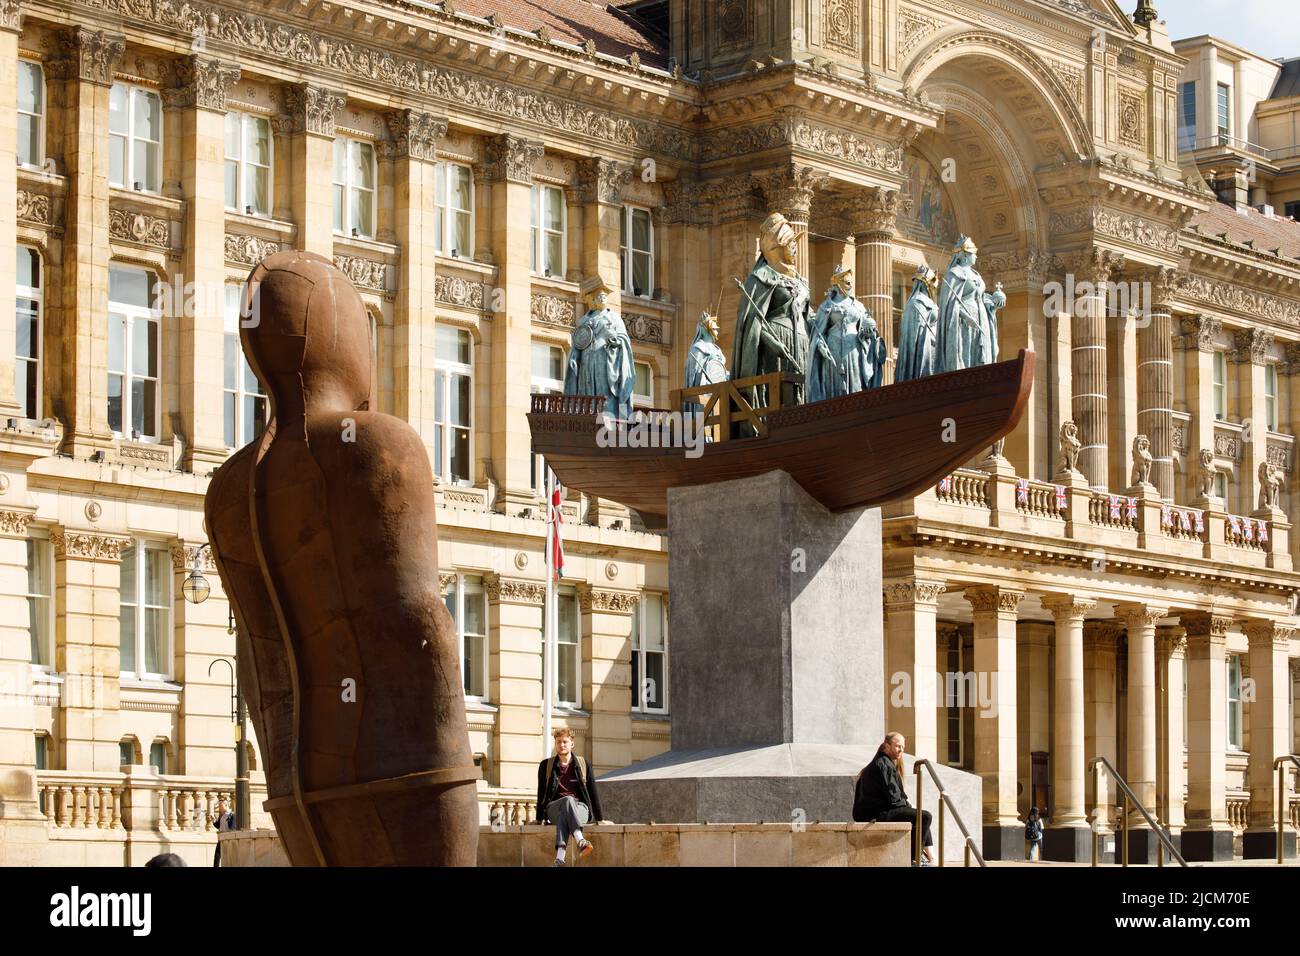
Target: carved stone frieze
(598, 599)
(204, 81)
(128, 225)
(1239, 299)
(1135, 229)
(14, 523)
(1132, 119)
(366, 273)
(81, 544)
(913, 27)
(644, 328)
(513, 590)
(312, 109)
(185, 557)
(792, 129)
(34, 207)
(249, 250)
(840, 25)
(459, 292)
(415, 134)
(554, 310)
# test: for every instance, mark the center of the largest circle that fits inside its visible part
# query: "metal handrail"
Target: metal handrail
(1128, 795)
(1280, 766)
(944, 799)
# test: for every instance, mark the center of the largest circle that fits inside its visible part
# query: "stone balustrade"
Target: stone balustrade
(72, 800)
(81, 801)
(506, 808)
(1238, 811)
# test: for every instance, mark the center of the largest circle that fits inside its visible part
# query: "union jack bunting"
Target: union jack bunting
(1166, 516)
(1200, 522)
(1131, 509)
(945, 484)
(1234, 523)
(1248, 529)
(1186, 520)
(1022, 490)
(1060, 497)
(1114, 507)
(1263, 532)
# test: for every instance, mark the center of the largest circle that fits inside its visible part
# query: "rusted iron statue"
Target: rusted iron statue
(325, 539)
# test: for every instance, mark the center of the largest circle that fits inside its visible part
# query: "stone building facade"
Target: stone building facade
(468, 167)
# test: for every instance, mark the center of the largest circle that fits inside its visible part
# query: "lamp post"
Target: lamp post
(196, 590)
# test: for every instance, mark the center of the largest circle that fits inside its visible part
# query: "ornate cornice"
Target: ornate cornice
(311, 109)
(82, 544)
(14, 523)
(791, 129)
(89, 55)
(1199, 332)
(989, 598)
(908, 593)
(610, 602)
(1136, 230)
(415, 134)
(249, 250)
(602, 180)
(204, 82)
(513, 590)
(1067, 607)
(459, 292)
(128, 225)
(366, 273)
(34, 207)
(511, 158)
(712, 202)
(1251, 345)
(1205, 625)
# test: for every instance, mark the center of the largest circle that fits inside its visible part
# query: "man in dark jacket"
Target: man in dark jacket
(879, 794)
(566, 795)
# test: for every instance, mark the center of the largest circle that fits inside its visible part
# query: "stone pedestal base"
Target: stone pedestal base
(1004, 843)
(1207, 846)
(1143, 846)
(1068, 844)
(1262, 844)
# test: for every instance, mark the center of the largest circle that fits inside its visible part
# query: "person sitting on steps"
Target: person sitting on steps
(566, 795)
(878, 795)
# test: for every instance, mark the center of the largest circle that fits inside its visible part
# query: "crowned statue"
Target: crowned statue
(773, 317)
(918, 339)
(968, 313)
(600, 361)
(846, 353)
(705, 363)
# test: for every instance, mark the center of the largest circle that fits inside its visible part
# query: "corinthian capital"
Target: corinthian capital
(1067, 607)
(1199, 332)
(602, 180)
(1094, 264)
(11, 15)
(1252, 345)
(990, 598)
(511, 158)
(875, 213)
(204, 82)
(89, 55)
(789, 190)
(311, 109)
(913, 591)
(415, 134)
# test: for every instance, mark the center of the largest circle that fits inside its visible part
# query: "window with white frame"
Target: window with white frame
(568, 687)
(1225, 110)
(636, 251)
(1220, 385)
(27, 354)
(133, 355)
(40, 599)
(548, 221)
(650, 655)
(454, 199)
(134, 138)
(467, 602)
(453, 403)
(31, 114)
(244, 400)
(547, 379)
(1234, 701)
(643, 390)
(354, 187)
(1270, 396)
(145, 614)
(248, 164)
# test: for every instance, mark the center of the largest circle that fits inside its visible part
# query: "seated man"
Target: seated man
(879, 794)
(566, 795)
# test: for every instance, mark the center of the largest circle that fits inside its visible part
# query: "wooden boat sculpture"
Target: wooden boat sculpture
(857, 451)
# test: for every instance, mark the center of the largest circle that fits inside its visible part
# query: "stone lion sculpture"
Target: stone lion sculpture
(1141, 461)
(1070, 446)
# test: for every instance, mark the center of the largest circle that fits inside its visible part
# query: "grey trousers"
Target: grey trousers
(568, 815)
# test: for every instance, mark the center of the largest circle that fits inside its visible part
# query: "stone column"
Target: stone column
(876, 215)
(994, 612)
(1172, 661)
(1092, 270)
(510, 160)
(607, 673)
(1252, 348)
(1197, 342)
(1140, 621)
(10, 25)
(87, 65)
(600, 194)
(1067, 839)
(414, 155)
(1033, 708)
(1270, 736)
(1208, 835)
(1101, 716)
(789, 191)
(515, 618)
(200, 96)
(911, 609)
(310, 128)
(1156, 381)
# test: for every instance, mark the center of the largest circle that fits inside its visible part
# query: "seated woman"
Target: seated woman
(879, 796)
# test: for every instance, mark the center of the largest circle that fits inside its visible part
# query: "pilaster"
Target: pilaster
(911, 609)
(994, 611)
(309, 126)
(515, 619)
(1208, 835)
(1270, 734)
(606, 628)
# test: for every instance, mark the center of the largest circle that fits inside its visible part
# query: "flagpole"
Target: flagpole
(547, 619)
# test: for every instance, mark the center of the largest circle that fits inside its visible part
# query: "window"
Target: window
(1220, 385)
(1187, 116)
(248, 164)
(40, 600)
(354, 187)
(1221, 486)
(547, 379)
(133, 344)
(1292, 210)
(144, 619)
(954, 700)
(548, 230)
(127, 749)
(568, 690)
(134, 138)
(649, 655)
(1225, 115)
(245, 402)
(27, 371)
(158, 756)
(31, 114)
(636, 251)
(1234, 701)
(643, 389)
(1270, 396)
(467, 602)
(454, 198)
(453, 381)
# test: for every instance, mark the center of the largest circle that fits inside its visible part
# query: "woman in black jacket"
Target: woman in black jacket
(879, 795)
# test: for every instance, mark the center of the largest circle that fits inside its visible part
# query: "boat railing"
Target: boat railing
(731, 409)
(592, 405)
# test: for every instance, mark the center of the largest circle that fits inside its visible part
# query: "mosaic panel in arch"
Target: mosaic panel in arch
(932, 218)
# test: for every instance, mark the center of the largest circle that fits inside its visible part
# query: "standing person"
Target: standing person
(879, 794)
(222, 822)
(566, 795)
(1034, 836)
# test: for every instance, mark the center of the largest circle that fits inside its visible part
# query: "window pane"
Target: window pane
(29, 140)
(636, 675)
(473, 664)
(439, 406)
(440, 184)
(641, 274)
(363, 165)
(232, 136)
(568, 674)
(257, 140)
(155, 640)
(568, 619)
(157, 582)
(340, 160)
(362, 205)
(231, 403)
(129, 287)
(125, 753)
(453, 345)
(158, 757)
(654, 622)
(28, 342)
(26, 382)
(230, 371)
(254, 416)
(116, 343)
(232, 184)
(338, 209)
(144, 408)
(148, 116)
(460, 243)
(554, 209)
(29, 268)
(30, 91)
(144, 346)
(126, 613)
(257, 189)
(117, 109)
(117, 160)
(42, 757)
(460, 400)
(642, 386)
(115, 402)
(640, 230)
(654, 680)
(554, 253)
(460, 454)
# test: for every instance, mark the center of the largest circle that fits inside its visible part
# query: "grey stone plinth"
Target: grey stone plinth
(1068, 844)
(1261, 844)
(1207, 845)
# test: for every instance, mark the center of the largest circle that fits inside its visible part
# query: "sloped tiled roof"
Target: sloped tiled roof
(1267, 234)
(575, 21)
(1288, 81)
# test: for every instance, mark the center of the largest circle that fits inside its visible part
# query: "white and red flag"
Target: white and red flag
(556, 518)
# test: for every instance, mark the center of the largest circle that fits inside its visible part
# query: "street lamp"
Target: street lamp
(195, 586)
(240, 717)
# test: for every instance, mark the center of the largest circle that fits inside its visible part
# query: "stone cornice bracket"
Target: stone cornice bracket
(89, 55)
(602, 180)
(513, 590)
(1067, 607)
(606, 601)
(987, 599)
(511, 158)
(875, 213)
(14, 523)
(1199, 332)
(1139, 615)
(1269, 634)
(1252, 345)
(415, 134)
(11, 15)
(1094, 264)
(311, 109)
(82, 544)
(914, 592)
(1205, 626)
(204, 82)
(789, 190)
